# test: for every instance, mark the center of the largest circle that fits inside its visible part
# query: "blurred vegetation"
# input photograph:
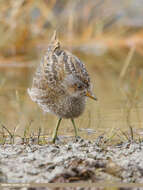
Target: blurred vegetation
(106, 34)
(26, 25)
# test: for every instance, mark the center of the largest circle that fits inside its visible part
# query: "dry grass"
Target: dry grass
(27, 24)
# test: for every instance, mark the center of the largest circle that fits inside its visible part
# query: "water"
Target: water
(117, 107)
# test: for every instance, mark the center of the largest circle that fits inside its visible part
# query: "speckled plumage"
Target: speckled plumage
(60, 83)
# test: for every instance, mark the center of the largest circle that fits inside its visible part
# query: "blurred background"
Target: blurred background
(106, 35)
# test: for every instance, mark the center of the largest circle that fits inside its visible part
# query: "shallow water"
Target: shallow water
(117, 108)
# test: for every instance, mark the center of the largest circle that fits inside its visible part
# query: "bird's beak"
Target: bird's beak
(88, 94)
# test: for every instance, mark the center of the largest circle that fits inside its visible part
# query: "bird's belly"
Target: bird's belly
(64, 107)
(70, 108)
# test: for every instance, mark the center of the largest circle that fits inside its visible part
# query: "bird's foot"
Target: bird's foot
(77, 138)
(55, 139)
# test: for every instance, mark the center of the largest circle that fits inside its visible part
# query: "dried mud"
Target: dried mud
(76, 160)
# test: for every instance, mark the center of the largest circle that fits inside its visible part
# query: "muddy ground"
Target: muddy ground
(74, 160)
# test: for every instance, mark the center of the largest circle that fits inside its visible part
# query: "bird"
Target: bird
(61, 84)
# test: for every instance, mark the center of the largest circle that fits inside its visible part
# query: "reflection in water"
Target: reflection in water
(114, 110)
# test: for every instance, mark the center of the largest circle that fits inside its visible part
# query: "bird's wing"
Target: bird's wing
(76, 67)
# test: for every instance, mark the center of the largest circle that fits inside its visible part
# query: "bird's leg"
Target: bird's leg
(54, 135)
(75, 128)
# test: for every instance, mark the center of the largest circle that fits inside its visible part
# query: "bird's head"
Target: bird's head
(78, 88)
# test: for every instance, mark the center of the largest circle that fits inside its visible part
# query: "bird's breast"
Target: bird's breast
(70, 107)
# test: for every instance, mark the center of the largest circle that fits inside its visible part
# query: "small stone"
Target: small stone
(18, 140)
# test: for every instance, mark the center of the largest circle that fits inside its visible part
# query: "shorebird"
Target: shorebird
(61, 84)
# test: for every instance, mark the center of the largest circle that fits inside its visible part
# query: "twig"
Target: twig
(132, 133)
(127, 62)
(10, 134)
(39, 133)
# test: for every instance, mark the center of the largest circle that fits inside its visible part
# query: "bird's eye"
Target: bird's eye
(80, 87)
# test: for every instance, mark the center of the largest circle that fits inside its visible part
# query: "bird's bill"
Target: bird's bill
(88, 94)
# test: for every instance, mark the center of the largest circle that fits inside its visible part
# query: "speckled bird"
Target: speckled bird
(61, 84)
